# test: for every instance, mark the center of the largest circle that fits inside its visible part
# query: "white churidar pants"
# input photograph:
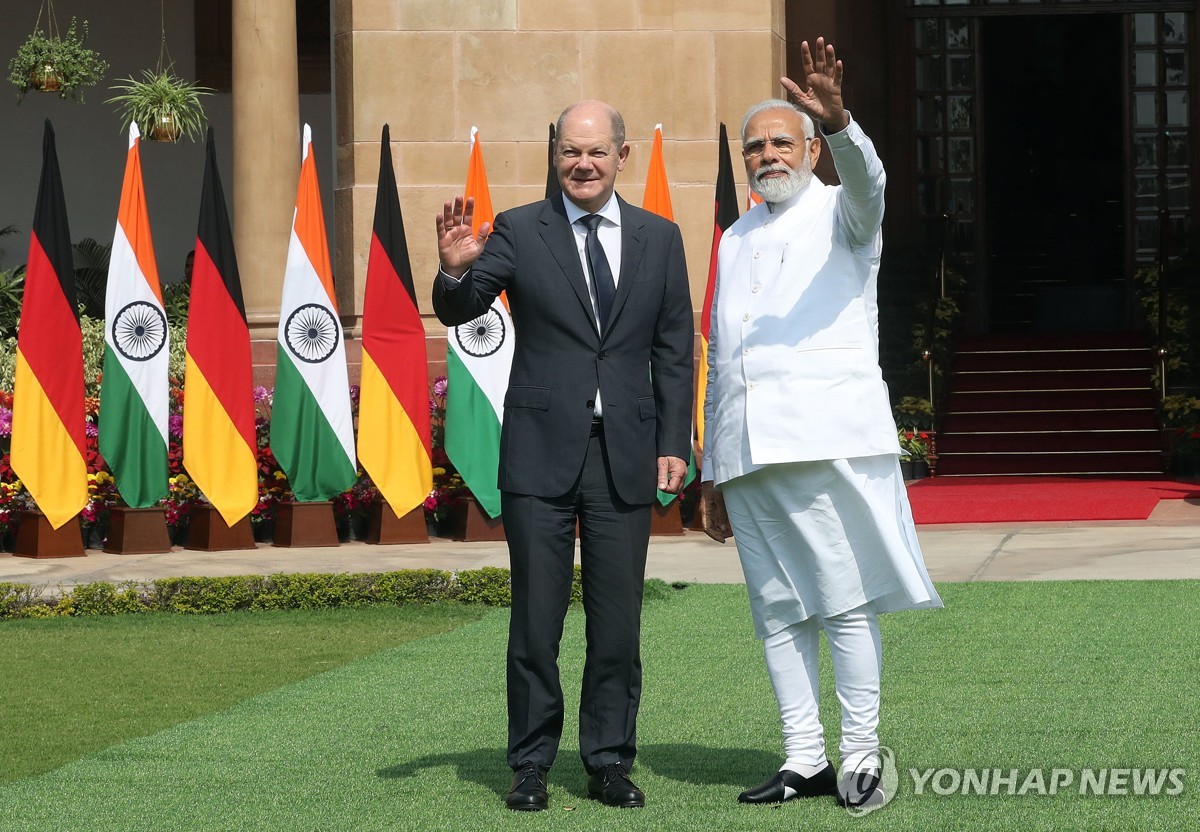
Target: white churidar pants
(827, 545)
(791, 655)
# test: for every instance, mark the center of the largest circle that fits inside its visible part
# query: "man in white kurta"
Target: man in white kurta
(801, 459)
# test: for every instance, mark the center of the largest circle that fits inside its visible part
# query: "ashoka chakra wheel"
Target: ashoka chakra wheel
(139, 331)
(311, 333)
(482, 336)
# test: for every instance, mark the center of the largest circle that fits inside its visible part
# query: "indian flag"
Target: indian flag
(478, 359)
(134, 390)
(312, 431)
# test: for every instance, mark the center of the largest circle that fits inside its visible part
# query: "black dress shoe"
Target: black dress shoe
(860, 788)
(612, 785)
(528, 791)
(787, 784)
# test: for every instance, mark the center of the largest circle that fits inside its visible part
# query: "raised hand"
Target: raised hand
(458, 245)
(822, 99)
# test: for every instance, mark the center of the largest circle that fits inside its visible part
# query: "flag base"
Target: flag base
(36, 538)
(305, 525)
(666, 520)
(137, 531)
(207, 532)
(471, 523)
(385, 526)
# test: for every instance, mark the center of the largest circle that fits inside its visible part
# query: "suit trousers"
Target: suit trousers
(541, 539)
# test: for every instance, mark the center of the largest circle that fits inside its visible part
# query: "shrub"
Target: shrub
(489, 586)
(100, 598)
(413, 586)
(204, 596)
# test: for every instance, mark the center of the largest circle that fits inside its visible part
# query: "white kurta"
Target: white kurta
(798, 426)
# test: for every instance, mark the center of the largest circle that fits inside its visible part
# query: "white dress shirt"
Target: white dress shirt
(609, 234)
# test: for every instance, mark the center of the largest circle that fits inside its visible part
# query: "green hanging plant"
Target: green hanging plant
(56, 63)
(164, 106)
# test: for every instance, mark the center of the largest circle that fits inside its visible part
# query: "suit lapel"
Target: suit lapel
(560, 239)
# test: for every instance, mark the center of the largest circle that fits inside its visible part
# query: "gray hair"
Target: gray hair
(810, 129)
(617, 126)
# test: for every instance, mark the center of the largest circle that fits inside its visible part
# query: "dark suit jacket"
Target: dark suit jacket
(642, 365)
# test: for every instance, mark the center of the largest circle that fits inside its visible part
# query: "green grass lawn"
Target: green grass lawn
(70, 686)
(1065, 675)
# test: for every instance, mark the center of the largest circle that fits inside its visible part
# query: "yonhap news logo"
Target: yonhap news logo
(1110, 782)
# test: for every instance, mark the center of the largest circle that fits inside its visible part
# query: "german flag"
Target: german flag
(726, 214)
(49, 449)
(553, 189)
(394, 441)
(219, 443)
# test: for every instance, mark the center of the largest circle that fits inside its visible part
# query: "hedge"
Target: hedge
(488, 586)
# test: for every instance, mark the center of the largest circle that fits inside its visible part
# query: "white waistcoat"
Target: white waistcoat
(794, 335)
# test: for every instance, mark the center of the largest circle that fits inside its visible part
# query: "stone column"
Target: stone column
(266, 152)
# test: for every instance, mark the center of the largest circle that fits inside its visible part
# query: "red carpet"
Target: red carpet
(1024, 499)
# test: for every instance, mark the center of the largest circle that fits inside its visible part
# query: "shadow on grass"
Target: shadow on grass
(684, 762)
(484, 766)
(705, 766)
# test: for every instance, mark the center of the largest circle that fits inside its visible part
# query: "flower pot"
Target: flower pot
(264, 530)
(178, 534)
(906, 469)
(44, 77)
(165, 128)
(920, 469)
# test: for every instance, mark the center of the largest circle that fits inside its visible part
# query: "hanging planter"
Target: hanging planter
(164, 106)
(50, 62)
(44, 77)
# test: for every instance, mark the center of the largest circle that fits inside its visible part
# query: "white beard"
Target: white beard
(779, 189)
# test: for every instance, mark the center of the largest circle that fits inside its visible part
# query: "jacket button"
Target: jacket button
(591, 403)
(603, 355)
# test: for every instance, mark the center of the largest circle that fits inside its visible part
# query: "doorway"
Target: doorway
(1053, 127)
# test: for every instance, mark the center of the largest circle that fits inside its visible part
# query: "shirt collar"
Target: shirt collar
(611, 211)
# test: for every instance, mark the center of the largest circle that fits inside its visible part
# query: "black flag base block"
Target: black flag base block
(36, 538)
(207, 532)
(305, 525)
(385, 526)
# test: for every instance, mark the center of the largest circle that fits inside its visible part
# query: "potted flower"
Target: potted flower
(56, 63)
(914, 453)
(163, 105)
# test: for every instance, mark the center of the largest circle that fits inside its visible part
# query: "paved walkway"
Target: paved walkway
(1167, 545)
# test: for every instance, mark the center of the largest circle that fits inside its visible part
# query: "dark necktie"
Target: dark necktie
(602, 276)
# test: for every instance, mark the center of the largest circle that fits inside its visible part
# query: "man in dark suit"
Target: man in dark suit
(597, 413)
